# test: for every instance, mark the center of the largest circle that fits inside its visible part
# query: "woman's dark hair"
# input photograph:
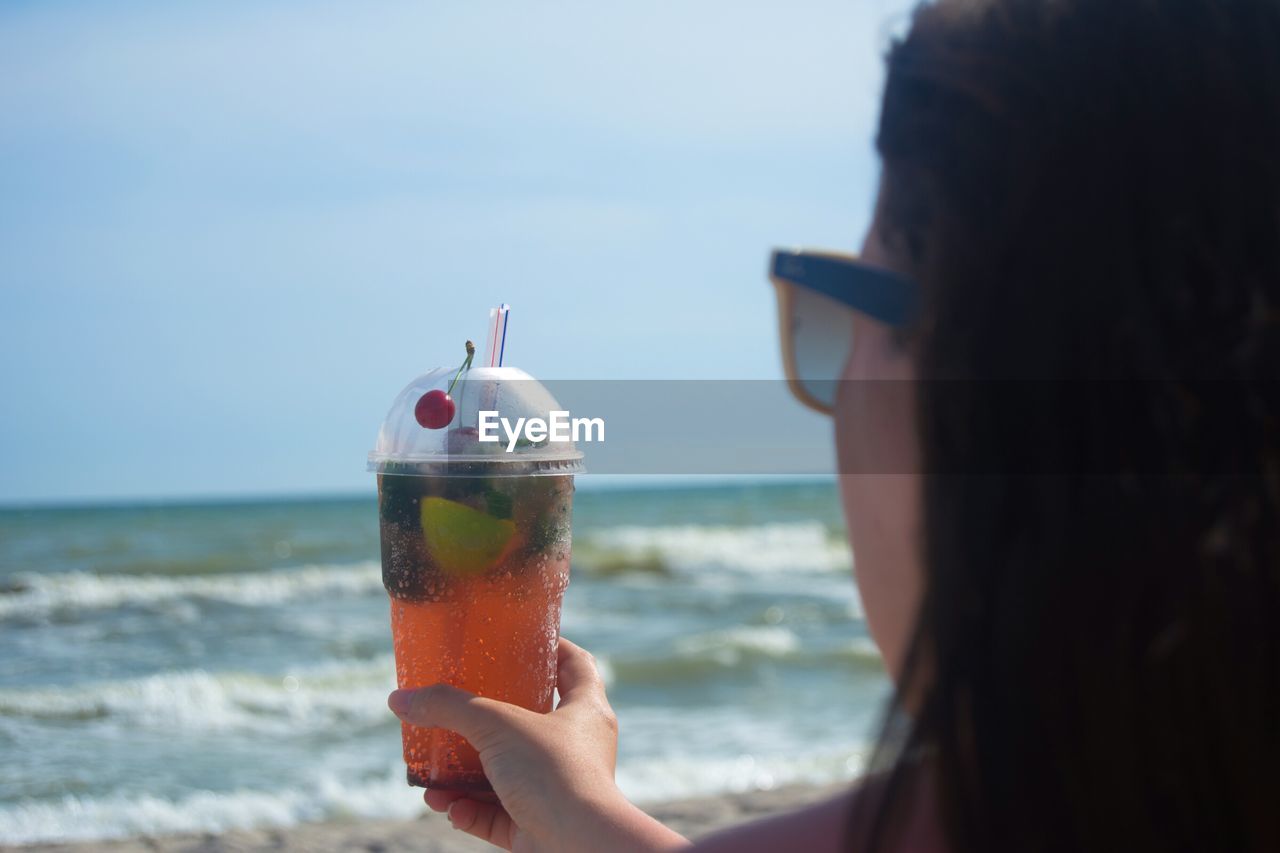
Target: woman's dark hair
(1089, 193)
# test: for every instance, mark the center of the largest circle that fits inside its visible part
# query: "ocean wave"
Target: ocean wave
(740, 647)
(305, 700)
(761, 549)
(32, 594)
(331, 797)
(353, 693)
(328, 797)
(702, 551)
(343, 696)
(676, 776)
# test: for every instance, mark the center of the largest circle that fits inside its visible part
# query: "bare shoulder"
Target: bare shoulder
(826, 825)
(818, 827)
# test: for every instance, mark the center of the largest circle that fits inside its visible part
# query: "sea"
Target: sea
(196, 667)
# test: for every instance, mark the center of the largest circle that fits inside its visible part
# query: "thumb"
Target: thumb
(476, 718)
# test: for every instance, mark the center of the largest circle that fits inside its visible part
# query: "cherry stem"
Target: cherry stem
(471, 352)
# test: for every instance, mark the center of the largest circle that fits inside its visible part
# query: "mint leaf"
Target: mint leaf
(498, 503)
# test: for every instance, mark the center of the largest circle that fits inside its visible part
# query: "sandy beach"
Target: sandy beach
(432, 833)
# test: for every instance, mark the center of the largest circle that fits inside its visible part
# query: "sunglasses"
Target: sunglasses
(816, 291)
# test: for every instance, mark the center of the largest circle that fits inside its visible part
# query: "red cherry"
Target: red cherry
(463, 440)
(435, 409)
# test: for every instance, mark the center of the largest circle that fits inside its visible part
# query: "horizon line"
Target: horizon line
(600, 482)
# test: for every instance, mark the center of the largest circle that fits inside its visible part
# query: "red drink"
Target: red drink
(476, 568)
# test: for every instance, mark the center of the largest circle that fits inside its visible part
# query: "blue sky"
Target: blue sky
(230, 232)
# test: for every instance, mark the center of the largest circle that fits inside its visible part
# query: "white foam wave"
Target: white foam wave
(305, 700)
(127, 815)
(744, 645)
(328, 797)
(677, 776)
(729, 646)
(39, 594)
(757, 549)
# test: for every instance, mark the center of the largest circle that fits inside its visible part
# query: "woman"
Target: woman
(1063, 505)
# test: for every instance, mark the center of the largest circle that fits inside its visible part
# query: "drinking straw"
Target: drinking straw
(496, 344)
(458, 615)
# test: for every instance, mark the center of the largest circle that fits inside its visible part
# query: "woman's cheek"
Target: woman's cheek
(885, 566)
(880, 486)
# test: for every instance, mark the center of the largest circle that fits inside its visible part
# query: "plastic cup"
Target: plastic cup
(476, 542)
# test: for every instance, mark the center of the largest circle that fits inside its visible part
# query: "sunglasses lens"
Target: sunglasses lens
(821, 339)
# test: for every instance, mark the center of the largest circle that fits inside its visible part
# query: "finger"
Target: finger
(439, 800)
(578, 677)
(485, 821)
(477, 719)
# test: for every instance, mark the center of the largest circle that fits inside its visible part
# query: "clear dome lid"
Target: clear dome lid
(406, 446)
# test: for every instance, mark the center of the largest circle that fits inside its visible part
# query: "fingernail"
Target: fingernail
(399, 701)
(449, 814)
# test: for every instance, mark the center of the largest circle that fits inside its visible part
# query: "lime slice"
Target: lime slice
(461, 540)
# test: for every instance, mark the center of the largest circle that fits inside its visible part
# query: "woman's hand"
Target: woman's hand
(552, 773)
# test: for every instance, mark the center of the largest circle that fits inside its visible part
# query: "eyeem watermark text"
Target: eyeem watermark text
(559, 428)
